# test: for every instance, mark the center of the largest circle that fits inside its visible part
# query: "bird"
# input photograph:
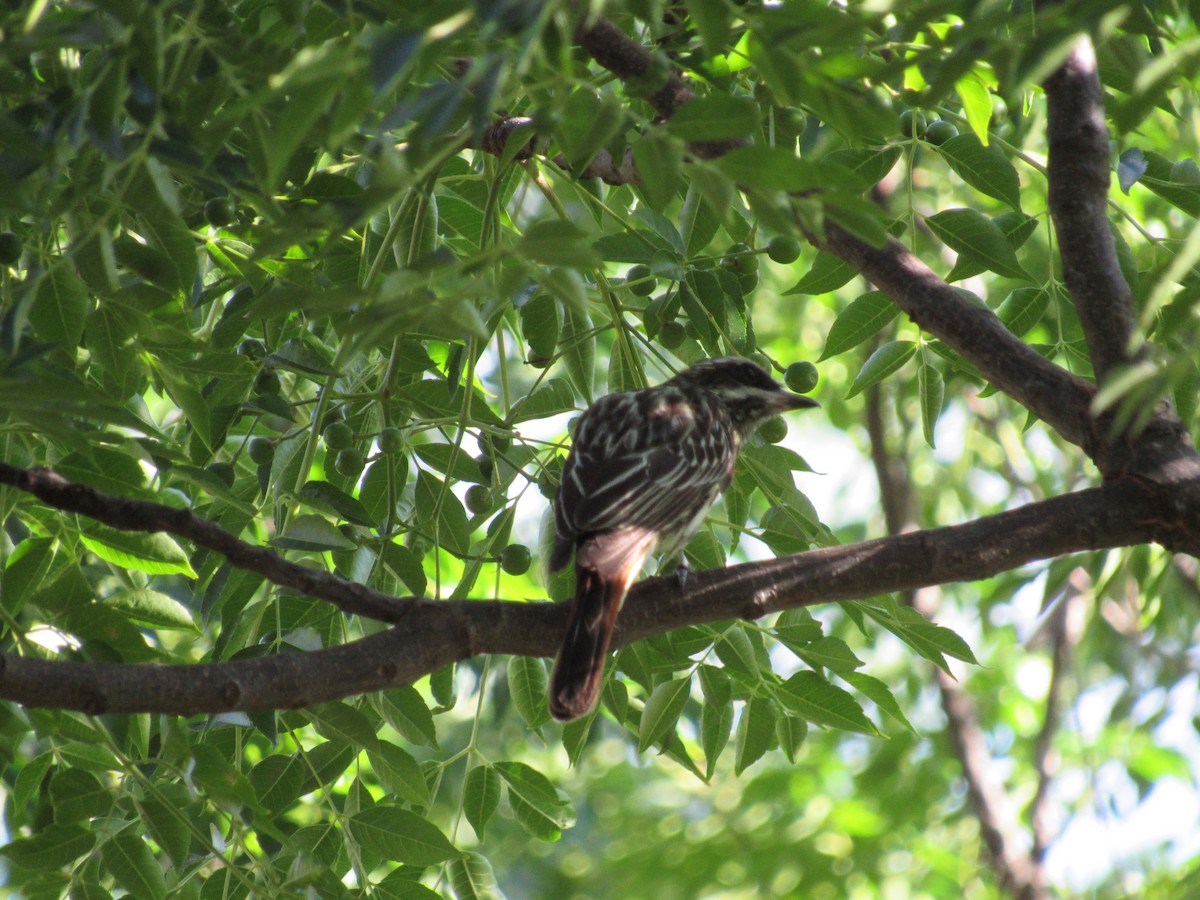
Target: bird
(644, 468)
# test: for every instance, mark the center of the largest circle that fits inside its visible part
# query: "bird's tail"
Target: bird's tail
(575, 682)
(605, 566)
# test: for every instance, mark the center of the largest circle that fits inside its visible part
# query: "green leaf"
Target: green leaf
(879, 694)
(400, 773)
(152, 608)
(552, 398)
(527, 684)
(310, 532)
(717, 117)
(986, 169)
(869, 166)
(882, 363)
(401, 836)
(975, 236)
(155, 553)
(828, 273)
(659, 160)
(863, 317)
(540, 325)
(127, 856)
(540, 809)
(716, 723)
(472, 877)
(791, 731)
(556, 242)
(567, 287)
(809, 695)
(736, 652)
(481, 796)
(59, 307)
(577, 347)
(1016, 226)
(755, 733)
(829, 653)
(976, 102)
(403, 563)
(327, 497)
(341, 722)
(1023, 308)
(589, 120)
(78, 795)
(932, 389)
(405, 710)
(774, 169)
(662, 710)
(278, 780)
(53, 847)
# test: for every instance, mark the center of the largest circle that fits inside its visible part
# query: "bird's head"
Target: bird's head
(748, 392)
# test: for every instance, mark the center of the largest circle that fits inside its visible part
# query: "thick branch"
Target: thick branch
(1079, 175)
(435, 633)
(143, 515)
(1049, 391)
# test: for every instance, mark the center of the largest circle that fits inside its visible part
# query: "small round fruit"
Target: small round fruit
(515, 559)
(10, 248)
(800, 377)
(496, 444)
(912, 122)
(539, 362)
(260, 450)
(220, 211)
(478, 499)
(252, 349)
(349, 462)
(773, 430)
(748, 282)
(641, 280)
(487, 466)
(740, 259)
(783, 249)
(338, 435)
(761, 360)
(391, 440)
(790, 119)
(672, 333)
(940, 131)
(267, 382)
(223, 471)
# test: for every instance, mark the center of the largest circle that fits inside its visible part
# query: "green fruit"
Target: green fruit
(333, 414)
(940, 131)
(338, 435)
(487, 466)
(748, 282)
(783, 249)
(10, 248)
(539, 362)
(349, 462)
(790, 120)
(641, 280)
(672, 333)
(252, 349)
(800, 377)
(495, 444)
(220, 211)
(391, 440)
(260, 450)
(740, 260)
(761, 360)
(773, 430)
(223, 471)
(912, 123)
(267, 382)
(515, 559)
(478, 499)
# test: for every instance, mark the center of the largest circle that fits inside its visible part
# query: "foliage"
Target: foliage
(268, 262)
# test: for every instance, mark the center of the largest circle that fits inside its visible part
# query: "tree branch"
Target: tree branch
(1079, 176)
(435, 633)
(1049, 391)
(143, 515)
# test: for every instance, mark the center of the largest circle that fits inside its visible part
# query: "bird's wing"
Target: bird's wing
(644, 459)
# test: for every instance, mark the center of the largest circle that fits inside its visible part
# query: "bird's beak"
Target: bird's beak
(789, 401)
